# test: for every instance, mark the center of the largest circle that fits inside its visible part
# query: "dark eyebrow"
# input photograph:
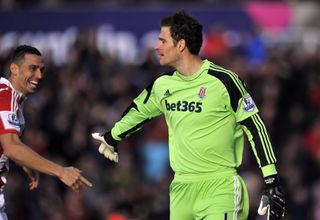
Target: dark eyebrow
(37, 66)
(33, 66)
(161, 39)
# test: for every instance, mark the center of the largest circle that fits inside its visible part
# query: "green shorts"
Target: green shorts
(208, 197)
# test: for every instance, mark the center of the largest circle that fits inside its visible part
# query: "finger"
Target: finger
(116, 157)
(78, 170)
(101, 149)
(31, 186)
(108, 154)
(80, 185)
(263, 208)
(284, 212)
(85, 181)
(75, 187)
(83, 185)
(112, 156)
(96, 136)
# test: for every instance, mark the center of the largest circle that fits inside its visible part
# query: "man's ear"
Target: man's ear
(182, 45)
(14, 68)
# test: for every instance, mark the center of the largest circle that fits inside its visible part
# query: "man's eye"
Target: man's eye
(33, 68)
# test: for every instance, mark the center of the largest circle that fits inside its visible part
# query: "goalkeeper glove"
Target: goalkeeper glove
(108, 150)
(272, 201)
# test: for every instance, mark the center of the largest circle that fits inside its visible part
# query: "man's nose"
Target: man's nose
(39, 74)
(156, 46)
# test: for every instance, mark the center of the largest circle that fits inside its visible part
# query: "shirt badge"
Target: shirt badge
(202, 92)
(13, 119)
(248, 104)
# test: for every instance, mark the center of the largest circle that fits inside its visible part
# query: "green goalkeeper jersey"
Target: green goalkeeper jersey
(205, 114)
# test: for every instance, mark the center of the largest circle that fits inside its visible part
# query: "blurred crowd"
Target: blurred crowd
(14, 4)
(91, 90)
(11, 4)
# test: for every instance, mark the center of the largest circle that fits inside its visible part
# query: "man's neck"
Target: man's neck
(189, 65)
(14, 84)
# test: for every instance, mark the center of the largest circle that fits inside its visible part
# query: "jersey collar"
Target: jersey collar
(8, 83)
(205, 66)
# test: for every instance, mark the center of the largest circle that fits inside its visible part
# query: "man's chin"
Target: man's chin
(33, 90)
(163, 63)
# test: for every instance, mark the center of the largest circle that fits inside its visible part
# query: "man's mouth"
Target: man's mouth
(34, 83)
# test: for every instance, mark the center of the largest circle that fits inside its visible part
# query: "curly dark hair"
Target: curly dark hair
(183, 26)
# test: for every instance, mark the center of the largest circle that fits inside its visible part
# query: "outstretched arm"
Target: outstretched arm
(142, 109)
(20, 153)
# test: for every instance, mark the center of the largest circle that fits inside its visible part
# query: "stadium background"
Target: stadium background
(99, 56)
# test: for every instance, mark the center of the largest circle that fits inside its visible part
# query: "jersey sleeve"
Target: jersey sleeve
(9, 122)
(143, 108)
(247, 114)
(260, 143)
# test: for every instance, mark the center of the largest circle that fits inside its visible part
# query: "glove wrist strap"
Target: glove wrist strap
(109, 139)
(271, 181)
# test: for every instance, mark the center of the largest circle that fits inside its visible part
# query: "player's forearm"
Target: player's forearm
(132, 120)
(126, 126)
(24, 156)
(260, 141)
(141, 110)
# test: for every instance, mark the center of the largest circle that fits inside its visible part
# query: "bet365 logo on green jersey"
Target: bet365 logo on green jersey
(184, 106)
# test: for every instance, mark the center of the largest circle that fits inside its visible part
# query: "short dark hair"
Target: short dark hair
(20, 51)
(183, 26)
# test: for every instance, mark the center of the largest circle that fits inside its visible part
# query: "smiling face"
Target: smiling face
(27, 73)
(165, 48)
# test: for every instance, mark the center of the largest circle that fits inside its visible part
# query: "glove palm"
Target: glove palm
(106, 149)
(273, 200)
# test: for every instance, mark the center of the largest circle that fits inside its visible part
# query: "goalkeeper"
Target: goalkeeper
(206, 108)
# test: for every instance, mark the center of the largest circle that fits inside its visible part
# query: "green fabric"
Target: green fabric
(209, 199)
(269, 170)
(204, 135)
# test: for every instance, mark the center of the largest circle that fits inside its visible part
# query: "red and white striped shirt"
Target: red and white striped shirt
(11, 116)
